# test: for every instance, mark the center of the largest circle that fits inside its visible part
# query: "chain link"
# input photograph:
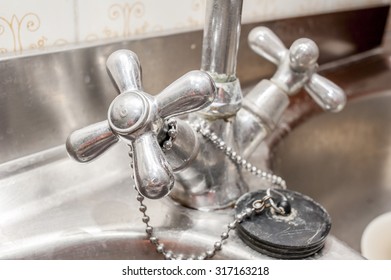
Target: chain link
(258, 206)
(169, 255)
(203, 128)
(171, 134)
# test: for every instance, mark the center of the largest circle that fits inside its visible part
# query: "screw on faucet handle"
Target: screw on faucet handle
(87, 143)
(296, 68)
(137, 117)
(133, 116)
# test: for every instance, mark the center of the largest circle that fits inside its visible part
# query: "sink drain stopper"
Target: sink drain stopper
(299, 233)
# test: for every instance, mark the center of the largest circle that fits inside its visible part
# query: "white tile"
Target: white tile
(106, 19)
(176, 14)
(27, 25)
(263, 10)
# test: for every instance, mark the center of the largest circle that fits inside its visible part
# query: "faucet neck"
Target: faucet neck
(219, 55)
(221, 37)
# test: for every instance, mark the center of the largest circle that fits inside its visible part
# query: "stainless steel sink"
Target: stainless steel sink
(53, 208)
(344, 160)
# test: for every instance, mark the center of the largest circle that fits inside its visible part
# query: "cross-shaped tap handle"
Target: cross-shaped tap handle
(296, 68)
(137, 117)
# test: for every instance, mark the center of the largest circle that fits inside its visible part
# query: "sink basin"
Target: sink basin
(54, 208)
(344, 162)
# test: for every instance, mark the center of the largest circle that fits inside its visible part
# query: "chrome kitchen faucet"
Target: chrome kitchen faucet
(198, 160)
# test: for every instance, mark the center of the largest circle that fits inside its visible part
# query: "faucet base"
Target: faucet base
(213, 180)
(209, 200)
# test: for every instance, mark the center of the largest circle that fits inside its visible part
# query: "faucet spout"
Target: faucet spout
(219, 55)
(213, 181)
(221, 38)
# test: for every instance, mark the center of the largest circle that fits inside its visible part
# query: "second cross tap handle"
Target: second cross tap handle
(137, 117)
(297, 67)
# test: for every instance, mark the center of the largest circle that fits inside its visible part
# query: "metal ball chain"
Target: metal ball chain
(258, 206)
(168, 254)
(171, 133)
(237, 159)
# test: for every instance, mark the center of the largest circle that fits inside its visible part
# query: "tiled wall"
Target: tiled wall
(42, 25)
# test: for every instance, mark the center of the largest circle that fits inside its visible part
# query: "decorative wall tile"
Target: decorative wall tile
(263, 10)
(126, 18)
(27, 25)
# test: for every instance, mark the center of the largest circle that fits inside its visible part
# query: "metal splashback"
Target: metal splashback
(44, 97)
